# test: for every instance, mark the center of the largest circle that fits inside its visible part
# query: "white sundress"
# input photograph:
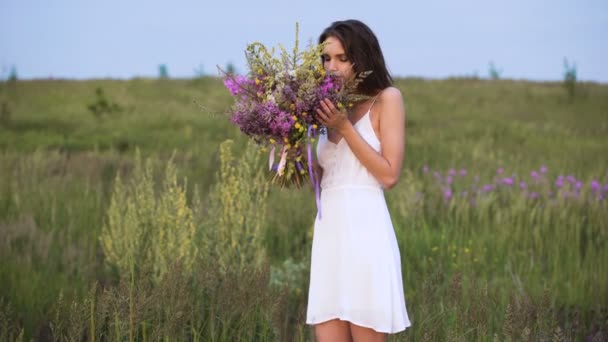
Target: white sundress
(355, 270)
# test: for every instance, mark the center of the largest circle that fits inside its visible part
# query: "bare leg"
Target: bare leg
(362, 334)
(334, 330)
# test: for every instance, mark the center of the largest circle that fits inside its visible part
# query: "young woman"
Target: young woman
(356, 291)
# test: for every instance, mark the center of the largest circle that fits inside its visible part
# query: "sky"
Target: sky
(83, 39)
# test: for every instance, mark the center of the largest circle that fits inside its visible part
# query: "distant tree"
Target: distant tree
(494, 73)
(163, 72)
(200, 71)
(230, 69)
(570, 78)
(12, 77)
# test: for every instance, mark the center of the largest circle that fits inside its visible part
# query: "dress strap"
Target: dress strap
(376, 97)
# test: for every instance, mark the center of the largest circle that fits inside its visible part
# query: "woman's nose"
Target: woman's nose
(332, 66)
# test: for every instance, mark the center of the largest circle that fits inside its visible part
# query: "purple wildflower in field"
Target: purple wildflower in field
(447, 193)
(487, 187)
(449, 179)
(595, 186)
(452, 172)
(507, 181)
(560, 181)
(463, 172)
(523, 185)
(500, 171)
(534, 175)
(543, 169)
(425, 169)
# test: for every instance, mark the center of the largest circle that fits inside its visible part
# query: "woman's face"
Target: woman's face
(335, 60)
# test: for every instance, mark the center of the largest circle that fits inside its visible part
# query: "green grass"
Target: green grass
(506, 267)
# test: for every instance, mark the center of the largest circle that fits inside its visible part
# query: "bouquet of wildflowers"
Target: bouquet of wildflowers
(275, 105)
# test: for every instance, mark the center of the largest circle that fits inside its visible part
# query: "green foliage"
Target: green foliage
(570, 78)
(506, 269)
(102, 106)
(5, 113)
(238, 209)
(146, 230)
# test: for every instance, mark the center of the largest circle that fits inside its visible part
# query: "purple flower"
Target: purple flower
(500, 170)
(236, 85)
(425, 169)
(523, 185)
(507, 181)
(488, 187)
(534, 174)
(452, 172)
(543, 169)
(449, 179)
(559, 182)
(578, 185)
(463, 172)
(571, 179)
(595, 185)
(447, 193)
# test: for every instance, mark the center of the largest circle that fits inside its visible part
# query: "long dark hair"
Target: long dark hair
(362, 49)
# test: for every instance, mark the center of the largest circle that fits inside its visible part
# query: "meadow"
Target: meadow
(134, 210)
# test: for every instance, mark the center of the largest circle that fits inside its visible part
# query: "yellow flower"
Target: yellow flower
(298, 158)
(301, 129)
(286, 140)
(340, 105)
(322, 72)
(350, 105)
(257, 81)
(303, 113)
(260, 71)
(272, 141)
(314, 126)
(294, 117)
(302, 171)
(292, 106)
(288, 146)
(312, 139)
(297, 125)
(466, 250)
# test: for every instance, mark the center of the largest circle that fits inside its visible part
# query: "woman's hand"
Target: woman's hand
(332, 117)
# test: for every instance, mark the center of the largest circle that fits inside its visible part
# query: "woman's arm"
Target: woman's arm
(385, 166)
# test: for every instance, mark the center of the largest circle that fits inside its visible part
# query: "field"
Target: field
(134, 210)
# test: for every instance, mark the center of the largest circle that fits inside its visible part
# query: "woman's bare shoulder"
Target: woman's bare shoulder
(391, 95)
